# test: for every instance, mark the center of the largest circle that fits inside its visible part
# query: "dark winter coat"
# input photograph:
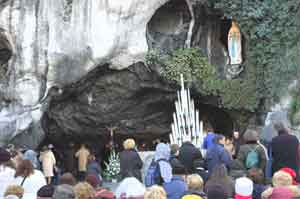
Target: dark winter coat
(215, 156)
(188, 153)
(258, 189)
(176, 188)
(246, 148)
(130, 164)
(175, 162)
(285, 152)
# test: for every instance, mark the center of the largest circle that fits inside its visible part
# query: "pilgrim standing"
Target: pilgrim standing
(82, 154)
(48, 163)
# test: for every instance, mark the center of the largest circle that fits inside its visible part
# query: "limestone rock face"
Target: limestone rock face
(57, 49)
(56, 42)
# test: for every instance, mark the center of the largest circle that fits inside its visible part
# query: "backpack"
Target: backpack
(252, 159)
(153, 175)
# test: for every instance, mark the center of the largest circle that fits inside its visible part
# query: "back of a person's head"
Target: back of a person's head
(46, 192)
(67, 178)
(64, 191)
(129, 144)
(130, 187)
(195, 182)
(93, 180)
(174, 149)
(155, 192)
(256, 175)
(16, 190)
(219, 172)
(218, 138)
(4, 156)
(250, 135)
(25, 168)
(280, 128)
(216, 191)
(243, 186)
(84, 190)
(162, 151)
(179, 170)
(281, 178)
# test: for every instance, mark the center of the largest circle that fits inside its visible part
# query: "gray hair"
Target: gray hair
(250, 135)
(64, 192)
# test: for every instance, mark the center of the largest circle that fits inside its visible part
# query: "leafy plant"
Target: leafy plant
(112, 166)
(194, 65)
(294, 109)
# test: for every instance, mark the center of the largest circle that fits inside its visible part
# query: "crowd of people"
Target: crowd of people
(223, 168)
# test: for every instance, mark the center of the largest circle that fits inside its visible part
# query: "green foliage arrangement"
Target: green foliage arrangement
(194, 65)
(271, 33)
(271, 30)
(294, 109)
(112, 166)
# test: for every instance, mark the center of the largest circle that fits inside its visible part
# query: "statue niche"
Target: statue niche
(234, 67)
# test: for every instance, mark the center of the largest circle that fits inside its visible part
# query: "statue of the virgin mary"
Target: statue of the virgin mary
(235, 44)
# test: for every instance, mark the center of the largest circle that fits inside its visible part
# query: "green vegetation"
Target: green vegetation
(271, 30)
(193, 64)
(294, 110)
(272, 48)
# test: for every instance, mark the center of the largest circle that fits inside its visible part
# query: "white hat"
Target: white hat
(50, 146)
(243, 186)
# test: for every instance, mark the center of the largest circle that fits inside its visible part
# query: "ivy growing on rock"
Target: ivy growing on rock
(271, 32)
(194, 65)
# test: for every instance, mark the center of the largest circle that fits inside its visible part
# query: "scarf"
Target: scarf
(242, 197)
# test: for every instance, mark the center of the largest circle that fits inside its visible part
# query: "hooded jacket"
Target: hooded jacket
(163, 152)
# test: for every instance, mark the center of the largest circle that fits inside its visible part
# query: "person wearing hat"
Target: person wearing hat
(45, 192)
(48, 163)
(281, 179)
(6, 173)
(291, 172)
(243, 188)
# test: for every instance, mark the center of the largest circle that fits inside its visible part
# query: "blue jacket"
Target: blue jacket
(176, 188)
(208, 141)
(215, 156)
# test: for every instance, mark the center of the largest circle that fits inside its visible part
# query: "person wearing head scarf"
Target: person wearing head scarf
(163, 152)
(32, 156)
(130, 188)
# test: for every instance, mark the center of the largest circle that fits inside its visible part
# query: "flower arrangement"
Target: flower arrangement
(112, 166)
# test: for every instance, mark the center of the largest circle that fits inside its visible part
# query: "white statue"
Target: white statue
(235, 44)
